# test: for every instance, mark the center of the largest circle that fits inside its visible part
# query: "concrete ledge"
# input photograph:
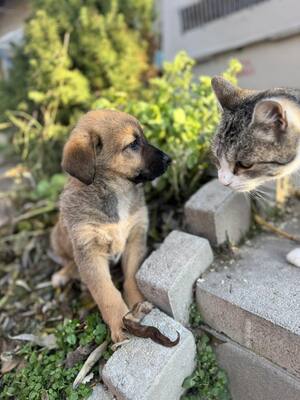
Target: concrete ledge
(167, 276)
(144, 370)
(100, 392)
(254, 378)
(256, 303)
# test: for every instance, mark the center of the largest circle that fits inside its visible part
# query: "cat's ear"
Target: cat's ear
(271, 113)
(229, 96)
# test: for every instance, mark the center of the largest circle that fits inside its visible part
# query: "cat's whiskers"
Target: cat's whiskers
(258, 195)
(263, 194)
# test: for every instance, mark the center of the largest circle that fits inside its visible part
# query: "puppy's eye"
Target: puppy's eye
(133, 145)
(244, 164)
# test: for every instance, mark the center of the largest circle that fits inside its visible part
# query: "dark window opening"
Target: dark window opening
(204, 11)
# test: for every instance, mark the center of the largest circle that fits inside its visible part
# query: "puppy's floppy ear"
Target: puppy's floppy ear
(79, 157)
(270, 112)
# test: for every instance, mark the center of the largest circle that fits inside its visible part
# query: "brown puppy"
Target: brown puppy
(103, 216)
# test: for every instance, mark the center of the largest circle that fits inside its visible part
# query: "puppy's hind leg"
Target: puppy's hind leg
(65, 274)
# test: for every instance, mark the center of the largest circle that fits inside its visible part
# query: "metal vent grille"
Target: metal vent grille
(205, 11)
(2, 5)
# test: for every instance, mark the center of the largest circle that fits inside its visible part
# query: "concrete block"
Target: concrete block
(257, 302)
(100, 392)
(144, 370)
(217, 213)
(252, 377)
(167, 276)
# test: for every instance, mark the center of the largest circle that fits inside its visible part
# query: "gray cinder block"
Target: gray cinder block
(217, 213)
(252, 377)
(144, 370)
(257, 302)
(101, 393)
(167, 276)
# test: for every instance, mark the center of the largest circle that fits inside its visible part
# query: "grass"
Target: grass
(208, 381)
(44, 374)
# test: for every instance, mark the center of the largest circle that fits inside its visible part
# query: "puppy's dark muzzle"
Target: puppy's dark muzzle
(166, 160)
(156, 163)
(159, 162)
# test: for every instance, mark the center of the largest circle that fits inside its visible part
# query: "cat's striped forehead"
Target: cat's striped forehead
(233, 131)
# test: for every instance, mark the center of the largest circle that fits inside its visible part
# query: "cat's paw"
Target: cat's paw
(293, 257)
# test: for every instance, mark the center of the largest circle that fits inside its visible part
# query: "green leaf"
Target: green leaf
(179, 116)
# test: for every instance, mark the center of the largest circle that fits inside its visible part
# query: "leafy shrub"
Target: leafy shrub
(95, 54)
(44, 374)
(49, 188)
(179, 115)
(73, 51)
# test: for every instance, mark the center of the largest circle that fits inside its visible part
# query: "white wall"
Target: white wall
(262, 21)
(266, 64)
(13, 15)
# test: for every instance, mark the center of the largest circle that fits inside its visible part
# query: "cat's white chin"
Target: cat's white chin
(243, 185)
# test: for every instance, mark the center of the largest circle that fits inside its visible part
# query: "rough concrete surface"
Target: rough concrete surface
(257, 301)
(167, 276)
(252, 377)
(217, 213)
(144, 370)
(100, 392)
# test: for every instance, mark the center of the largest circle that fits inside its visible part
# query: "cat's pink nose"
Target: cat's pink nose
(225, 178)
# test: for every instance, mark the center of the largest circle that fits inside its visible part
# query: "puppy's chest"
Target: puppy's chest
(122, 229)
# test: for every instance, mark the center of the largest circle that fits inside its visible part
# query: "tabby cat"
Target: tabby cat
(258, 138)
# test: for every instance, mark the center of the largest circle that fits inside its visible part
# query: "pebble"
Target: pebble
(293, 257)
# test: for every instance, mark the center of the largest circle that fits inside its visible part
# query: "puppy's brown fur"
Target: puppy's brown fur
(103, 216)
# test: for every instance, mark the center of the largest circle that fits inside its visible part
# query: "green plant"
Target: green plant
(72, 52)
(49, 188)
(44, 374)
(179, 114)
(208, 381)
(195, 317)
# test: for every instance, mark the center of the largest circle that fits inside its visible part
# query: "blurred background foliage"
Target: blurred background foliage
(98, 54)
(79, 55)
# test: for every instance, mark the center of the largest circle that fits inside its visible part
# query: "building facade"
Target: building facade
(263, 34)
(13, 14)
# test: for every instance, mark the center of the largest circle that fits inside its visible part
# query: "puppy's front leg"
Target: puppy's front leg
(95, 273)
(132, 259)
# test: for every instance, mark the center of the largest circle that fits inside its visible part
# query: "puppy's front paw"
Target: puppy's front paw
(293, 257)
(118, 335)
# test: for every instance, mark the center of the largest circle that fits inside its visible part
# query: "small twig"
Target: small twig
(35, 212)
(48, 341)
(15, 236)
(262, 222)
(89, 363)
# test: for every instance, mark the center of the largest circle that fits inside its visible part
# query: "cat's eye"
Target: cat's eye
(244, 164)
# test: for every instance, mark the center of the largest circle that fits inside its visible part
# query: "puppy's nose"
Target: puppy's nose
(167, 159)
